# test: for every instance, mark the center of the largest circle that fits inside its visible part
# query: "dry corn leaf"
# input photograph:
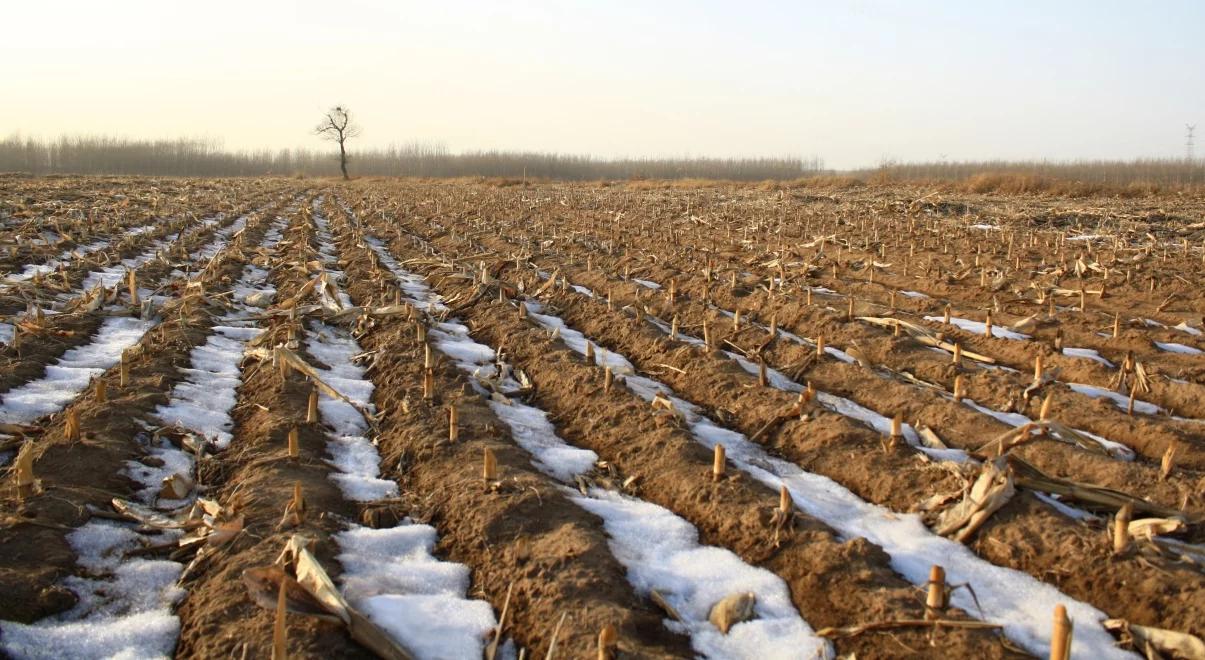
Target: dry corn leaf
(222, 532)
(175, 487)
(991, 490)
(263, 585)
(1148, 527)
(1028, 476)
(23, 467)
(1169, 642)
(301, 365)
(145, 514)
(928, 438)
(314, 580)
(731, 610)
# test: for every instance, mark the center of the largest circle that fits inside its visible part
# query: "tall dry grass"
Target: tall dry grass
(1071, 179)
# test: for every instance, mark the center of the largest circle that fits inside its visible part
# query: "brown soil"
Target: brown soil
(747, 249)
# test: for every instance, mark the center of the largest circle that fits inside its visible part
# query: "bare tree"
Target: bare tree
(337, 127)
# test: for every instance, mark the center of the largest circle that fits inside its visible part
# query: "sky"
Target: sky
(853, 82)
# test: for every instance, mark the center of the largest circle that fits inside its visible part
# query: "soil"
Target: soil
(777, 257)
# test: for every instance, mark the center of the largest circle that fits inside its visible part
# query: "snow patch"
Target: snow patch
(977, 327)
(72, 372)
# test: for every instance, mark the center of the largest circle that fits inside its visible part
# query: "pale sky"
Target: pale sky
(852, 82)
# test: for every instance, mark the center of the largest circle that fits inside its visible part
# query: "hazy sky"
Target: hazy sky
(851, 82)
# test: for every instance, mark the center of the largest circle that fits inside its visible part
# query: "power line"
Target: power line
(1188, 140)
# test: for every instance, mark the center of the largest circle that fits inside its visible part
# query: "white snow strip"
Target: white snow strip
(391, 576)
(661, 551)
(790, 336)
(1116, 449)
(111, 276)
(413, 286)
(68, 256)
(126, 614)
(1075, 513)
(648, 284)
(914, 294)
(351, 452)
(7, 332)
(1088, 353)
(977, 327)
(1120, 400)
(72, 372)
(1173, 347)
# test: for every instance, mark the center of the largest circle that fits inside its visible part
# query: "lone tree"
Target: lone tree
(337, 127)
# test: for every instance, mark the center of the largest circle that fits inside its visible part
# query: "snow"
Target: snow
(68, 256)
(661, 551)
(1115, 449)
(977, 327)
(202, 402)
(141, 636)
(1120, 400)
(790, 336)
(114, 275)
(1088, 353)
(576, 341)
(1015, 599)
(648, 284)
(1072, 512)
(111, 276)
(535, 434)
(412, 285)
(1173, 347)
(351, 452)
(1010, 418)
(7, 332)
(126, 614)
(914, 294)
(391, 576)
(72, 372)
(150, 477)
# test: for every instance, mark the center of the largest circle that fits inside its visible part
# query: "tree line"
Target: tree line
(206, 158)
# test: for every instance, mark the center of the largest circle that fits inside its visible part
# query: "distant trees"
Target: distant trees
(102, 155)
(337, 127)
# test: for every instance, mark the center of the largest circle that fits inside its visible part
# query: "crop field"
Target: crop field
(258, 418)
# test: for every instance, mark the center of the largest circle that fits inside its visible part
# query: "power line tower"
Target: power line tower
(1188, 140)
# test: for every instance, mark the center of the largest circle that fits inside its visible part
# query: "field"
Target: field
(268, 417)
